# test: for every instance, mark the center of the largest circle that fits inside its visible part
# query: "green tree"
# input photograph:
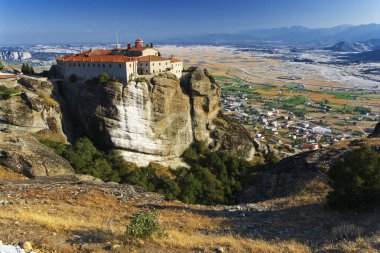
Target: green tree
(104, 78)
(1, 65)
(355, 180)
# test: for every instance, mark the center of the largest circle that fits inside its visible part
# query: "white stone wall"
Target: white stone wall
(88, 70)
(150, 51)
(177, 68)
(153, 67)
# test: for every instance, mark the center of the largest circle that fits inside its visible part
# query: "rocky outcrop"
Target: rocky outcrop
(35, 110)
(25, 155)
(302, 173)
(153, 120)
(14, 55)
(231, 136)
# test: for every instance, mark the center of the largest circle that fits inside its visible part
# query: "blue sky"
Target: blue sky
(49, 21)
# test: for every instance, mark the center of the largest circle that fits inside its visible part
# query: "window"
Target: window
(74, 64)
(146, 71)
(70, 64)
(159, 63)
(130, 65)
(93, 64)
(146, 64)
(153, 71)
(110, 65)
(119, 65)
(152, 64)
(98, 65)
(104, 65)
(88, 65)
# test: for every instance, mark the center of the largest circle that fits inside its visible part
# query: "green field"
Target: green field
(226, 79)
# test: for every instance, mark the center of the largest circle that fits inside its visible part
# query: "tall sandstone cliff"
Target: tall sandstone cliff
(157, 119)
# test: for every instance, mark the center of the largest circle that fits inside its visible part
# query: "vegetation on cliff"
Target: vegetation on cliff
(214, 177)
(355, 180)
(26, 69)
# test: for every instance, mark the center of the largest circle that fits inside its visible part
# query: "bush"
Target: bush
(104, 78)
(6, 93)
(143, 225)
(214, 177)
(26, 69)
(85, 158)
(355, 181)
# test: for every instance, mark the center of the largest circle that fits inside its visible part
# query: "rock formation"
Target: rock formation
(155, 119)
(25, 155)
(14, 55)
(33, 112)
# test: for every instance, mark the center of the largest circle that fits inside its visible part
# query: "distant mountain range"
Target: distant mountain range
(349, 46)
(296, 34)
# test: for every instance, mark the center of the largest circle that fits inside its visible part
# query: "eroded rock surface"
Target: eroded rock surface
(154, 120)
(25, 155)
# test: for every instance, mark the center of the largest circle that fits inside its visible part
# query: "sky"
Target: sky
(70, 21)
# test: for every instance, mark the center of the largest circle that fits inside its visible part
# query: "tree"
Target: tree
(355, 180)
(1, 65)
(104, 78)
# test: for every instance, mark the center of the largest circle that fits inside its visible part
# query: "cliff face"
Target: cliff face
(152, 120)
(32, 113)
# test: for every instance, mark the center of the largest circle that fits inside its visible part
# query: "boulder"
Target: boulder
(23, 154)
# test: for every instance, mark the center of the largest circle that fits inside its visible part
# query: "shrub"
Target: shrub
(73, 78)
(143, 225)
(141, 80)
(104, 78)
(6, 93)
(355, 180)
(26, 69)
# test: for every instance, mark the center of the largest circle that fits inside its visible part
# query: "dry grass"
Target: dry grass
(10, 175)
(346, 231)
(181, 240)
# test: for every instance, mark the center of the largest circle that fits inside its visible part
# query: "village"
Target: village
(300, 128)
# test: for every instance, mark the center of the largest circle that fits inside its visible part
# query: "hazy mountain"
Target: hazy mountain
(370, 56)
(292, 34)
(347, 46)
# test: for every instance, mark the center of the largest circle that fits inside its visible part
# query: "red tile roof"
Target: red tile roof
(97, 58)
(151, 58)
(136, 48)
(174, 60)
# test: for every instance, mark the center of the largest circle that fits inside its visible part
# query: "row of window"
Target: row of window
(94, 65)
(159, 64)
